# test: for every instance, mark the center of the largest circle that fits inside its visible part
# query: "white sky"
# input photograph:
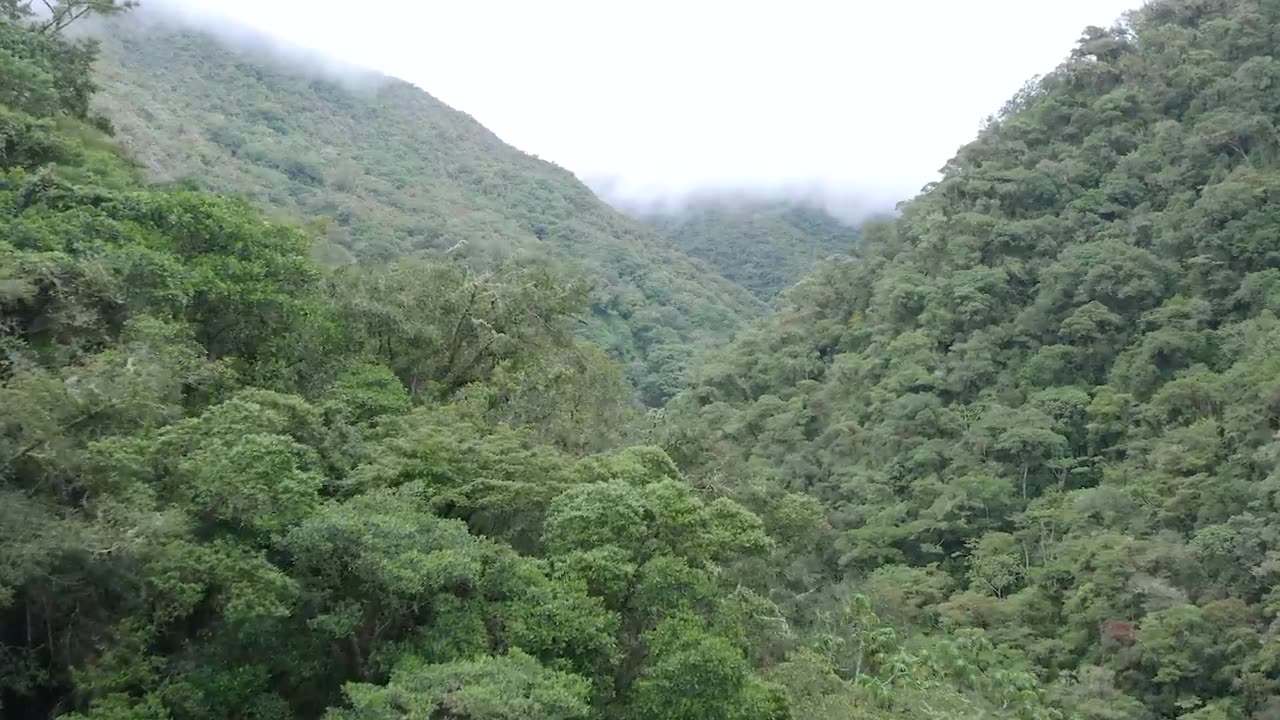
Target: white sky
(668, 96)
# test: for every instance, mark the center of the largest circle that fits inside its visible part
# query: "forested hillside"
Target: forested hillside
(236, 485)
(1016, 456)
(1043, 404)
(382, 169)
(764, 245)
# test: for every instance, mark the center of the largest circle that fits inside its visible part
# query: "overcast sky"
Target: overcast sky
(668, 96)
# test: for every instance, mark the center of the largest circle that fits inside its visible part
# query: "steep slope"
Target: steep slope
(765, 246)
(1044, 402)
(386, 170)
(235, 486)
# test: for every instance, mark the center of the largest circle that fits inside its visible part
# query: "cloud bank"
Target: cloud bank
(857, 101)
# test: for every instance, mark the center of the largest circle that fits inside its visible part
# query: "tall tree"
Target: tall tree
(58, 15)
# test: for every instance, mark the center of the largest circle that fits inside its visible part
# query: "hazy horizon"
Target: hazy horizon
(853, 108)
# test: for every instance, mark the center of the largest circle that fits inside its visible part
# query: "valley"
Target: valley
(318, 400)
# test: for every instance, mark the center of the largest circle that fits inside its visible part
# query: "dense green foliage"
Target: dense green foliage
(1043, 403)
(232, 485)
(236, 485)
(1015, 457)
(383, 170)
(765, 246)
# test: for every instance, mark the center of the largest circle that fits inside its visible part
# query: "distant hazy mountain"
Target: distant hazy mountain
(764, 245)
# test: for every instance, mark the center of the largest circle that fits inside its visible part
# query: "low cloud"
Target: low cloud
(235, 32)
(852, 205)
(853, 105)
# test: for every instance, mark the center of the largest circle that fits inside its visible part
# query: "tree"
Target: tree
(440, 327)
(15, 10)
(509, 687)
(60, 14)
(696, 676)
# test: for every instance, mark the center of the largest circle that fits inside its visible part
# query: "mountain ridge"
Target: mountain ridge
(763, 244)
(1014, 456)
(1041, 404)
(389, 170)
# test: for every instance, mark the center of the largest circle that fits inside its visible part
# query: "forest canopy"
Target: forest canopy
(1014, 455)
(1041, 404)
(764, 245)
